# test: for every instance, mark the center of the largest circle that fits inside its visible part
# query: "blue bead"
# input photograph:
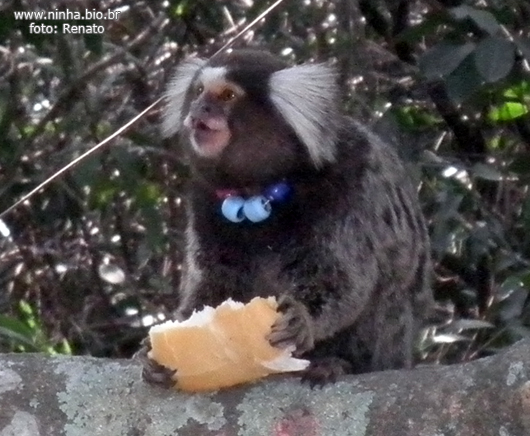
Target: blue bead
(278, 192)
(232, 208)
(257, 208)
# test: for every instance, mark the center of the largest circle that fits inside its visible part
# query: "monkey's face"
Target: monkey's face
(212, 102)
(235, 132)
(249, 119)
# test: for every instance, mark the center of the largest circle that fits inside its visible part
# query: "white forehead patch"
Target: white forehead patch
(212, 75)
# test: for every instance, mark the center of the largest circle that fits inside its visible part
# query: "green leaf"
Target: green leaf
(483, 19)
(460, 12)
(497, 142)
(510, 285)
(426, 27)
(508, 111)
(147, 195)
(520, 164)
(154, 228)
(494, 58)
(520, 91)
(487, 172)
(414, 118)
(179, 8)
(443, 59)
(64, 347)
(88, 170)
(525, 279)
(102, 193)
(464, 81)
(130, 166)
(16, 327)
(18, 338)
(28, 313)
(513, 304)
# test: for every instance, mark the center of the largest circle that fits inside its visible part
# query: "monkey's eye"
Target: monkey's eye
(198, 90)
(227, 95)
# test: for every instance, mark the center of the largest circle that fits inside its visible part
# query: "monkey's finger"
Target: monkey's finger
(290, 331)
(152, 372)
(158, 375)
(142, 354)
(325, 370)
(282, 339)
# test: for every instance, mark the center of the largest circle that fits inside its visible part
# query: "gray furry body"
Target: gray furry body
(360, 264)
(347, 257)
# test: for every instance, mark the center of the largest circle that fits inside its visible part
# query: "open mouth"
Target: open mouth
(208, 124)
(210, 135)
(200, 125)
(206, 131)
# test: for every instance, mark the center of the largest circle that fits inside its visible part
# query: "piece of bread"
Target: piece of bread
(222, 347)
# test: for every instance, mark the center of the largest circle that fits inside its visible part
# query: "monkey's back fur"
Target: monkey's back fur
(349, 251)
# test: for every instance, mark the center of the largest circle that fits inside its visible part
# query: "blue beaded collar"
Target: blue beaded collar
(256, 208)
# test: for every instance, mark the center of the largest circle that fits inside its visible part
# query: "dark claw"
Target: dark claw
(325, 370)
(152, 372)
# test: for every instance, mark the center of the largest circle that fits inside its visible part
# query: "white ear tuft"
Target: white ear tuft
(176, 94)
(306, 96)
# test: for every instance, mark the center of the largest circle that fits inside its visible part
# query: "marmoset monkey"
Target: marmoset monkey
(288, 197)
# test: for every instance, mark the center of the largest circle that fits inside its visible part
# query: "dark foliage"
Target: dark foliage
(87, 262)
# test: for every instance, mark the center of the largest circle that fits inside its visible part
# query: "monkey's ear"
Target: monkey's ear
(176, 94)
(307, 96)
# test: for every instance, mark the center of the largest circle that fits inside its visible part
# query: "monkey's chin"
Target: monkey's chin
(209, 143)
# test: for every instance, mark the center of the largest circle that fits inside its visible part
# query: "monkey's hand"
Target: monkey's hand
(152, 372)
(293, 328)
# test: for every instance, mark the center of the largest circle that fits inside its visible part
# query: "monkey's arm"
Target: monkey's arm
(330, 286)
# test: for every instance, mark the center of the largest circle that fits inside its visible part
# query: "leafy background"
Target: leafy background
(92, 260)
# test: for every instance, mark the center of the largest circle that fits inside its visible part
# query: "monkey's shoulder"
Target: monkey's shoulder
(358, 142)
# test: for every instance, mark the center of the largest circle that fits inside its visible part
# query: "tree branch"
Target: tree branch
(42, 395)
